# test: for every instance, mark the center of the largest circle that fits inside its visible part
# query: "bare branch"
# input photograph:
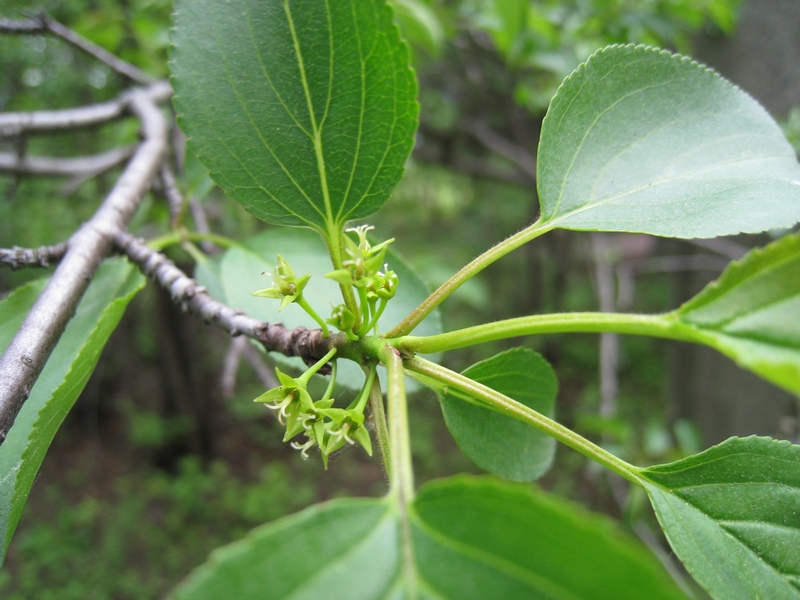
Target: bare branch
(17, 257)
(524, 160)
(25, 357)
(22, 26)
(44, 23)
(14, 124)
(239, 347)
(81, 166)
(174, 197)
(722, 246)
(275, 337)
(265, 374)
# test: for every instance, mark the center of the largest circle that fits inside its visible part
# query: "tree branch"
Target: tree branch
(522, 158)
(275, 337)
(17, 257)
(44, 23)
(14, 124)
(80, 166)
(24, 359)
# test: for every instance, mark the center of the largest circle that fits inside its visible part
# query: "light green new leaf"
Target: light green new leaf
(61, 381)
(732, 515)
(641, 140)
(469, 538)
(497, 443)
(304, 111)
(752, 312)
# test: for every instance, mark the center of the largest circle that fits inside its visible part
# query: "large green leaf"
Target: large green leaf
(638, 139)
(304, 111)
(497, 443)
(752, 312)
(469, 538)
(732, 515)
(61, 381)
(247, 268)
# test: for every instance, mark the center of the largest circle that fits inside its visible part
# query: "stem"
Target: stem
(381, 427)
(334, 240)
(302, 303)
(476, 266)
(377, 315)
(507, 406)
(401, 473)
(360, 403)
(663, 326)
(331, 384)
(317, 366)
(365, 312)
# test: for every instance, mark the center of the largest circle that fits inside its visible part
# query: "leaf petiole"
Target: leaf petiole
(494, 253)
(666, 325)
(507, 406)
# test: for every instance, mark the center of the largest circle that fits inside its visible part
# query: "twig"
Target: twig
(64, 167)
(44, 23)
(275, 337)
(230, 366)
(25, 357)
(264, 372)
(21, 26)
(242, 347)
(17, 257)
(14, 124)
(522, 158)
(723, 246)
(173, 195)
(609, 342)
(201, 224)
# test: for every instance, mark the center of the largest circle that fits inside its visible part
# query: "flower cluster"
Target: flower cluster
(325, 426)
(362, 270)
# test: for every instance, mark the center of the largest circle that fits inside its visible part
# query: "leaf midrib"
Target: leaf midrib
(591, 127)
(367, 537)
(316, 128)
(734, 539)
(745, 280)
(517, 572)
(266, 144)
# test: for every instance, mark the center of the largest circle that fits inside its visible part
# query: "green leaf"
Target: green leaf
(469, 538)
(641, 140)
(497, 443)
(732, 515)
(240, 274)
(304, 111)
(61, 381)
(751, 312)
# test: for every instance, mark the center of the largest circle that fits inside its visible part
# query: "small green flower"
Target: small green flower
(383, 285)
(286, 286)
(364, 259)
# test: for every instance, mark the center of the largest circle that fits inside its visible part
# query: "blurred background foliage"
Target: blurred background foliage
(165, 457)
